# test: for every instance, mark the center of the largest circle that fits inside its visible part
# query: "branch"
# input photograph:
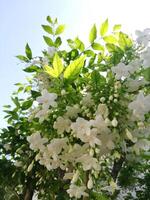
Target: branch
(117, 167)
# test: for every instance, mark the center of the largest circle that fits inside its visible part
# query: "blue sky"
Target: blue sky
(20, 22)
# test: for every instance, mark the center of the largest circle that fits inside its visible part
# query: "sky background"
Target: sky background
(20, 22)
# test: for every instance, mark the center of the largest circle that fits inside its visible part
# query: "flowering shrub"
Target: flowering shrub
(84, 125)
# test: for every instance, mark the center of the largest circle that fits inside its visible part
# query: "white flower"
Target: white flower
(134, 84)
(143, 37)
(75, 152)
(72, 111)
(134, 65)
(145, 57)
(88, 162)
(62, 124)
(87, 100)
(90, 137)
(102, 110)
(36, 141)
(142, 144)
(47, 99)
(77, 191)
(140, 106)
(100, 124)
(7, 147)
(82, 130)
(81, 126)
(56, 146)
(121, 71)
(18, 163)
(51, 51)
(42, 115)
(112, 187)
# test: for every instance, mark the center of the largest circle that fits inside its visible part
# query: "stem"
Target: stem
(29, 190)
(117, 167)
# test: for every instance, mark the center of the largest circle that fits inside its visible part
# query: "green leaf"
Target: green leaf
(71, 44)
(79, 44)
(93, 34)
(58, 42)
(124, 40)
(97, 46)
(117, 27)
(146, 74)
(22, 58)
(32, 68)
(49, 19)
(104, 28)
(48, 29)
(26, 104)
(110, 39)
(89, 53)
(48, 41)
(57, 68)
(28, 51)
(73, 70)
(60, 29)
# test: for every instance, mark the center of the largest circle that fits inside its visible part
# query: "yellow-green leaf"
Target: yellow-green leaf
(117, 27)
(124, 41)
(110, 39)
(104, 28)
(93, 34)
(74, 68)
(57, 68)
(97, 46)
(60, 29)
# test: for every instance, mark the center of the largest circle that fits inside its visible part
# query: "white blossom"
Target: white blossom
(72, 111)
(102, 110)
(47, 99)
(42, 115)
(87, 100)
(121, 71)
(134, 84)
(62, 124)
(140, 106)
(77, 191)
(88, 162)
(145, 57)
(36, 141)
(143, 37)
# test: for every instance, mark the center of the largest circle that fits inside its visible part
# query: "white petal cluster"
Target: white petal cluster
(47, 99)
(72, 111)
(87, 100)
(36, 141)
(143, 37)
(134, 84)
(123, 71)
(88, 162)
(140, 106)
(62, 124)
(77, 191)
(145, 57)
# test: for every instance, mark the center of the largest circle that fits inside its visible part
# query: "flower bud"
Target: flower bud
(114, 122)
